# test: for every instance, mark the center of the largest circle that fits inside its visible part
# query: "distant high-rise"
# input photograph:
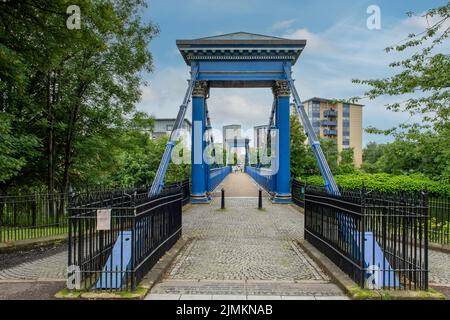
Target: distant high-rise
(260, 137)
(339, 121)
(230, 133)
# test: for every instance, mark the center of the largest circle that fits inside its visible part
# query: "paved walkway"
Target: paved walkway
(244, 253)
(238, 185)
(239, 253)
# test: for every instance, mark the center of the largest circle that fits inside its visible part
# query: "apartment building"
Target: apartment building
(260, 137)
(165, 127)
(230, 133)
(339, 121)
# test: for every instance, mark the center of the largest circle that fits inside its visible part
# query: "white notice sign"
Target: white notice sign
(103, 219)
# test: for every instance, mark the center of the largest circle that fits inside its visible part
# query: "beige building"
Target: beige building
(339, 121)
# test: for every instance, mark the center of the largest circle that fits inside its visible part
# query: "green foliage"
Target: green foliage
(416, 152)
(16, 149)
(385, 183)
(421, 82)
(302, 159)
(330, 150)
(346, 165)
(67, 97)
(423, 78)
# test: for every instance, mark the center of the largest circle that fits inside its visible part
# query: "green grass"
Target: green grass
(9, 234)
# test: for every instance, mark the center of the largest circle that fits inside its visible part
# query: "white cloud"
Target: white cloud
(284, 24)
(315, 42)
(332, 58)
(165, 92)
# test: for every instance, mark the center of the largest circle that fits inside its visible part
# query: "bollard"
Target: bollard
(222, 200)
(260, 199)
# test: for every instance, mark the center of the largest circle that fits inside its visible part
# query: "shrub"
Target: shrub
(385, 183)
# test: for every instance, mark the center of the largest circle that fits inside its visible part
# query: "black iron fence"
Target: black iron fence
(115, 238)
(40, 215)
(439, 219)
(32, 216)
(298, 193)
(379, 240)
(438, 212)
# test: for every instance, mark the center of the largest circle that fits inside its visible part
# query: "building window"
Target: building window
(169, 127)
(315, 119)
(346, 125)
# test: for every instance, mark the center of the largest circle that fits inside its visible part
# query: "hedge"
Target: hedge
(385, 183)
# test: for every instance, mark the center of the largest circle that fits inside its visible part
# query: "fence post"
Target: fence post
(1, 216)
(222, 200)
(260, 199)
(34, 210)
(425, 244)
(363, 235)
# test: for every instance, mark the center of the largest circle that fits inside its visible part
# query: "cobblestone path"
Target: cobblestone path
(240, 253)
(244, 252)
(52, 268)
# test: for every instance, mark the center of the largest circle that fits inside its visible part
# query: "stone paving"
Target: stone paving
(244, 251)
(439, 263)
(52, 268)
(240, 252)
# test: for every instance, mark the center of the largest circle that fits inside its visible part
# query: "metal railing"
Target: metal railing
(141, 230)
(390, 226)
(40, 215)
(439, 219)
(31, 216)
(438, 213)
(263, 177)
(298, 193)
(216, 176)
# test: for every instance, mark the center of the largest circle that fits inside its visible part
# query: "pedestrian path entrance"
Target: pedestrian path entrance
(244, 253)
(238, 185)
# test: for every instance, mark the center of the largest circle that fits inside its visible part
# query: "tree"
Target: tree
(73, 91)
(346, 163)
(329, 148)
(302, 158)
(15, 150)
(424, 76)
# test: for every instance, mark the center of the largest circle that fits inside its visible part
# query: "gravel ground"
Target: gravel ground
(9, 260)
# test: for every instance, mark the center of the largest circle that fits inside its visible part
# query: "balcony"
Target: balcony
(330, 113)
(328, 123)
(329, 133)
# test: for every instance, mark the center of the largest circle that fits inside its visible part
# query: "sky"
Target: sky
(339, 48)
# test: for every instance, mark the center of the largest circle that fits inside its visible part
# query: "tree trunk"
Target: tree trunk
(50, 134)
(50, 144)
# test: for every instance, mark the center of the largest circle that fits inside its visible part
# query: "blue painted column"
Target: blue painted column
(198, 171)
(283, 177)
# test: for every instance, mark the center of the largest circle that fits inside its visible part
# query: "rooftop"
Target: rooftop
(173, 119)
(316, 99)
(242, 44)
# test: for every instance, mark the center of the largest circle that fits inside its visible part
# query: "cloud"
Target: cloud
(315, 42)
(332, 58)
(165, 92)
(284, 24)
(247, 107)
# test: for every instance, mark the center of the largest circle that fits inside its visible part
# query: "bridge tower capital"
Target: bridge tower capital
(281, 89)
(201, 89)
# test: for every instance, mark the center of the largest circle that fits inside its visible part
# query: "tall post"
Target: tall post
(283, 178)
(198, 171)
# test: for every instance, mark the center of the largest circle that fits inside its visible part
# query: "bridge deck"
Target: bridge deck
(239, 185)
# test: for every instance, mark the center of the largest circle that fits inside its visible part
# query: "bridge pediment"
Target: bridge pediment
(240, 46)
(241, 59)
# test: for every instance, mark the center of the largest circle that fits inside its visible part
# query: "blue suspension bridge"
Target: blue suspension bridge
(245, 60)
